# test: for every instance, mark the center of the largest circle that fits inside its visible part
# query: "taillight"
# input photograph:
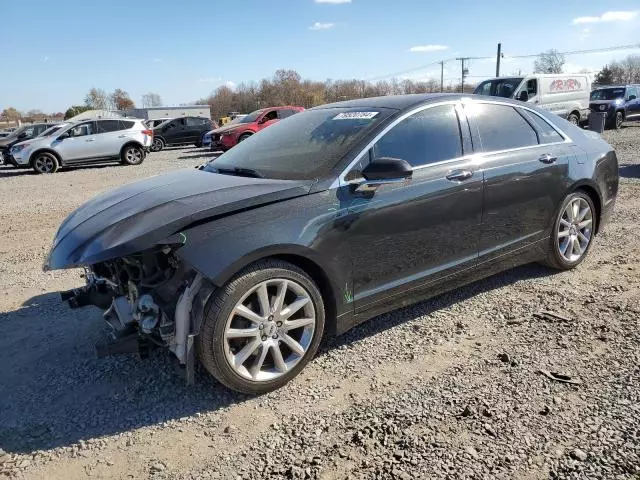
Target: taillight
(148, 132)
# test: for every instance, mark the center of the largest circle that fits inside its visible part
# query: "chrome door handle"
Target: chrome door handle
(459, 175)
(90, 140)
(548, 159)
(122, 136)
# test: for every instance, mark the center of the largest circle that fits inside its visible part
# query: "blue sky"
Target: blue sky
(53, 52)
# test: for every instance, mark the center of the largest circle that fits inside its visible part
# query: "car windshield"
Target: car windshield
(51, 130)
(499, 87)
(607, 94)
(252, 117)
(305, 146)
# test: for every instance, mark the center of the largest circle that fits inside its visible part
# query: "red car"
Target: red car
(226, 137)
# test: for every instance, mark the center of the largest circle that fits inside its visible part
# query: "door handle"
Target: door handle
(90, 140)
(547, 158)
(121, 136)
(459, 175)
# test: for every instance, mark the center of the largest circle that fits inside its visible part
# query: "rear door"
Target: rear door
(525, 165)
(633, 104)
(286, 112)
(108, 142)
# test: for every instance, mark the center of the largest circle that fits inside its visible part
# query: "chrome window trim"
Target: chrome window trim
(476, 156)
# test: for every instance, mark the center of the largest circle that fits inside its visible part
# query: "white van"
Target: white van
(566, 95)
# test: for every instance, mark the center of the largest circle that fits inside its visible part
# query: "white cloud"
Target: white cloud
(209, 79)
(45, 59)
(334, 2)
(321, 26)
(230, 84)
(428, 48)
(157, 60)
(608, 17)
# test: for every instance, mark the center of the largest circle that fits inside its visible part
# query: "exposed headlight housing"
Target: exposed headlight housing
(619, 101)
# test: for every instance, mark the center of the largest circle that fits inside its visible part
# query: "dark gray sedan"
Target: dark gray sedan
(329, 218)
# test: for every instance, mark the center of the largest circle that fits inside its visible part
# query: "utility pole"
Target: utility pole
(498, 59)
(441, 76)
(464, 71)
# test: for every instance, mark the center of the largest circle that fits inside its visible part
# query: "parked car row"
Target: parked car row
(568, 95)
(79, 143)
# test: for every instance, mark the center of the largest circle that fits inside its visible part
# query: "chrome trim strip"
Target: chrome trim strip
(340, 181)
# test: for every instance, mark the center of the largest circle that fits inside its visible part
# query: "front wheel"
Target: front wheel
(262, 327)
(618, 121)
(132, 155)
(573, 232)
(45, 163)
(157, 145)
(243, 137)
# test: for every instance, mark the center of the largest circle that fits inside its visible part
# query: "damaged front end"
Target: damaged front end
(150, 299)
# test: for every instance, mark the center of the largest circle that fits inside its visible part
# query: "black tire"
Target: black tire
(618, 120)
(243, 137)
(132, 155)
(574, 119)
(210, 344)
(554, 258)
(157, 145)
(45, 162)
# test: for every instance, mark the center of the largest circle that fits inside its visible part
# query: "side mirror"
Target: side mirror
(22, 135)
(65, 135)
(524, 96)
(387, 170)
(263, 120)
(632, 97)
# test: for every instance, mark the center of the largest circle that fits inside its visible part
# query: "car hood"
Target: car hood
(35, 141)
(227, 128)
(7, 141)
(143, 214)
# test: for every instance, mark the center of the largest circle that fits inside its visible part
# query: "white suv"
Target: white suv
(85, 142)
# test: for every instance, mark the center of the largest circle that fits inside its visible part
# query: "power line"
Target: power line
(506, 56)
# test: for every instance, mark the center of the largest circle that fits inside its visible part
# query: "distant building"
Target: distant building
(154, 113)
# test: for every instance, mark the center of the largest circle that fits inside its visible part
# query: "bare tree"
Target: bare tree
(11, 114)
(120, 100)
(151, 100)
(551, 61)
(97, 99)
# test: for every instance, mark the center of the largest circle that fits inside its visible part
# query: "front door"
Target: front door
(633, 103)
(269, 118)
(175, 131)
(80, 144)
(406, 235)
(525, 163)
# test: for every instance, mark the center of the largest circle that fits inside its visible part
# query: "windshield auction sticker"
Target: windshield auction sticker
(355, 115)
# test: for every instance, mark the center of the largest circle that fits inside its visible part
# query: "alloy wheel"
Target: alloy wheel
(619, 120)
(133, 155)
(44, 164)
(575, 229)
(269, 330)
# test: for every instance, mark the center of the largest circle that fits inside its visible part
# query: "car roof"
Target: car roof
(399, 102)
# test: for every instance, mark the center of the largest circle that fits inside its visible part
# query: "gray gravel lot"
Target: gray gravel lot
(448, 388)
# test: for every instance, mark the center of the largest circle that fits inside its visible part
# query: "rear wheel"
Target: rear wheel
(262, 327)
(132, 155)
(158, 144)
(45, 163)
(574, 118)
(573, 232)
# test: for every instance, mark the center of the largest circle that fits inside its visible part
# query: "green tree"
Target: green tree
(75, 110)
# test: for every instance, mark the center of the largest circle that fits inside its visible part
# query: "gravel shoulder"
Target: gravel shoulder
(448, 388)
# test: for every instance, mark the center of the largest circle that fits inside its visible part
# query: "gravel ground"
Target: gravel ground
(448, 388)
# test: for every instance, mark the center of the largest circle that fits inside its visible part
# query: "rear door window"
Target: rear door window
(546, 133)
(126, 125)
(284, 113)
(107, 126)
(501, 127)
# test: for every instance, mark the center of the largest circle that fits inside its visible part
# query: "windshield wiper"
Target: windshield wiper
(240, 172)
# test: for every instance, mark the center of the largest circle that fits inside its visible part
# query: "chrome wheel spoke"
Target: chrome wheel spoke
(242, 332)
(582, 237)
(246, 352)
(278, 360)
(565, 246)
(301, 322)
(564, 223)
(294, 307)
(563, 234)
(259, 362)
(247, 313)
(585, 223)
(279, 300)
(263, 298)
(293, 345)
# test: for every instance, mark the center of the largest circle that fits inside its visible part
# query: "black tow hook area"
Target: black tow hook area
(83, 297)
(123, 346)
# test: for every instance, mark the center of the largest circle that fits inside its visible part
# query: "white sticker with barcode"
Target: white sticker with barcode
(355, 116)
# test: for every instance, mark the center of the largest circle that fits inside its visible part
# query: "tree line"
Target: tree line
(287, 87)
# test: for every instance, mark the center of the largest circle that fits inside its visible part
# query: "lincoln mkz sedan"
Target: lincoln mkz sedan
(331, 217)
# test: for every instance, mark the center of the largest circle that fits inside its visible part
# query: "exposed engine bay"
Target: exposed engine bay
(151, 299)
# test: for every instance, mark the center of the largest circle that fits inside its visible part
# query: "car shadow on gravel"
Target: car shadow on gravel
(629, 170)
(15, 172)
(55, 392)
